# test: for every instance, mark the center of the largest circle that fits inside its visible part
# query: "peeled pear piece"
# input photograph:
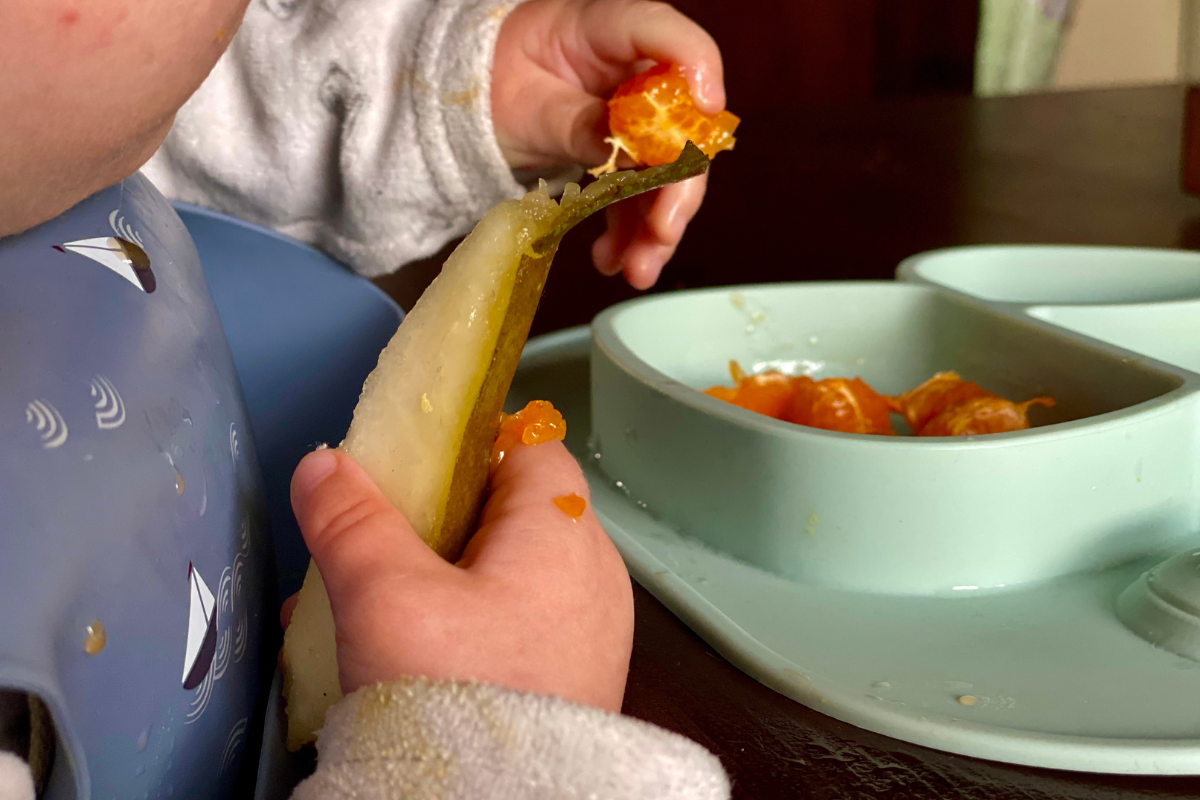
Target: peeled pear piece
(428, 413)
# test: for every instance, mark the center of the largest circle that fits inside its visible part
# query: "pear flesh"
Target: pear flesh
(427, 416)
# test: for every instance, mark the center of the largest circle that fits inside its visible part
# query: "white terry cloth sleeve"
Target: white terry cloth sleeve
(363, 127)
(419, 739)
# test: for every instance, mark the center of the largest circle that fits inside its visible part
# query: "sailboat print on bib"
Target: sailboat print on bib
(122, 253)
(202, 630)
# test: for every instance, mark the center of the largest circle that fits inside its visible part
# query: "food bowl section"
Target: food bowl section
(1109, 474)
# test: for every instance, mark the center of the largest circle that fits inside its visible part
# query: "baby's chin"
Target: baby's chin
(40, 182)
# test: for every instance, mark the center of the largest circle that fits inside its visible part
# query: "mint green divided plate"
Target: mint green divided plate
(957, 593)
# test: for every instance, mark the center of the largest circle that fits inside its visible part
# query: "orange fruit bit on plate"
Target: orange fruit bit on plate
(539, 421)
(941, 392)
(571, 504)
(766, 393)
(848, 405)
(652, 116)
(983, 415)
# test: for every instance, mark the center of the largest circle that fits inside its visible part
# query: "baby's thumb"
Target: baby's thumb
(353, 533)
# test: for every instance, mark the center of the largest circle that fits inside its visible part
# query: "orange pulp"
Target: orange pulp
(944, 405)
(944, 390)
(839, 404)
(539, 421)
(571, 504)
(983, 415)
(652, 116)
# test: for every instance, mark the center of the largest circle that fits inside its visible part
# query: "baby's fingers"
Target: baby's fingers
(629, 31)
(522, 530)
(643, 232)
(354, 534)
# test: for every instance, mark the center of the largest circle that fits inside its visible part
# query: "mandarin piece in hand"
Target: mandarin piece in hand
(848, 405)
(944, 390)
(539, 421)
(983, 415)
(652, 115)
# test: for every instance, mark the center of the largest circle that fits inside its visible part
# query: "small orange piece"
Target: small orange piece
(941, 392)
(538, 422)
(983, 415)
(848, 405)
(652, 116)
(767, 393)
(571, 504)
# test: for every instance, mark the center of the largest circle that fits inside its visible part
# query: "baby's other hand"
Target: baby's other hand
(539, 602)
(556, 63)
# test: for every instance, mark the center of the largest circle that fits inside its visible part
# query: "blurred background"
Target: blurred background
(819, 51)
(876, 129)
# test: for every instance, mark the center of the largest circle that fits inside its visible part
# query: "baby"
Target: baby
(379, 130)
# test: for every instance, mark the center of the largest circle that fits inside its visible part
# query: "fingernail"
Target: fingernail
(676, 225)
(704, 90)
(313, 469)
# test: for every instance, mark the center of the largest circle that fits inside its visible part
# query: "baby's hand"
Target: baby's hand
(539, 601)
(556, 63)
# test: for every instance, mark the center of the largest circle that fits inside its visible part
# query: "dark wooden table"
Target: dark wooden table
(846, 192)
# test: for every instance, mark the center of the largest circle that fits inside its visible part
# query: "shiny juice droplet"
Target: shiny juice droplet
(967, 700)
(572, 505)
(94, 638)
(180, 483)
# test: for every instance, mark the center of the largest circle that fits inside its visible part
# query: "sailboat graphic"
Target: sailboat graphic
(122, 256)
(202, 630)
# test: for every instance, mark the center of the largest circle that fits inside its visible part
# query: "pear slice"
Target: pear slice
(426, 419)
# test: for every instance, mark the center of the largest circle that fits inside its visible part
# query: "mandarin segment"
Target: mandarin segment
(652, 116)
(941, 392)
(847, 405)
(767, 393)
(983, 415)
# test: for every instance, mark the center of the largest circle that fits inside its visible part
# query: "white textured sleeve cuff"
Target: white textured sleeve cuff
(422, 739)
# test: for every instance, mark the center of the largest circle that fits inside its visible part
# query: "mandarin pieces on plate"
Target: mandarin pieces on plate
(944, 405)
(427, 418)
(652, 116)
(983, 415)
(835, 404)
(944, 390)
(847, 405)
